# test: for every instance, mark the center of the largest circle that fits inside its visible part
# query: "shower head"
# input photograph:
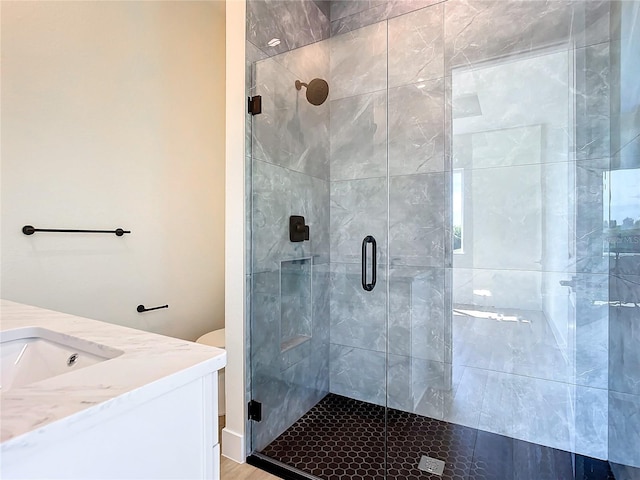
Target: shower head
(317, 90)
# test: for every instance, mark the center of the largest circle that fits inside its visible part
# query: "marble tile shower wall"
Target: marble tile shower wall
(347, 15)
(358, 207)
(391, 108)
(624, 269)
(389, 180)
(384, 148)
(556, 236)
(294, 23)
(289, 353)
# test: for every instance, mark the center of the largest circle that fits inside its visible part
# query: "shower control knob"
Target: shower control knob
(298, 231)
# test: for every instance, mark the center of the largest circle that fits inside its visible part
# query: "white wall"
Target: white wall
(113, 116)
(233, 435)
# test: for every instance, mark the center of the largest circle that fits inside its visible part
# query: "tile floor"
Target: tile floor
(343, 439)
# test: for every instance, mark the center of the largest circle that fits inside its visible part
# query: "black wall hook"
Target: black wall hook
(141, 308)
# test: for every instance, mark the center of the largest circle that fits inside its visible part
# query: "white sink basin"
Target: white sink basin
(32, 354)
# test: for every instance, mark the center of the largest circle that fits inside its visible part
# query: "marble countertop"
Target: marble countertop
(150, 365)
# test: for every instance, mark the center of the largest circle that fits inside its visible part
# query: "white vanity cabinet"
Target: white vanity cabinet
(142, 415)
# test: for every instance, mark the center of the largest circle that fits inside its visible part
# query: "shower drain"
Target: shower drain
(431, 465)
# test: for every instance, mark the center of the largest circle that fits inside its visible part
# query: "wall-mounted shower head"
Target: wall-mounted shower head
(317, 90)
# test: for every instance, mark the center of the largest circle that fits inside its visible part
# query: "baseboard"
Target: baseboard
(233, 445)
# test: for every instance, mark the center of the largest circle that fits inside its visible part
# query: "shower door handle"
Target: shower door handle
(369, 286)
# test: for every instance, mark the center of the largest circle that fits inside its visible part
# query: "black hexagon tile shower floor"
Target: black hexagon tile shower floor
(344, 439)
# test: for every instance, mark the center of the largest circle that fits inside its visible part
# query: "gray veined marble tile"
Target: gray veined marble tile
(480, 30)
(377, 13)
(463, 404)
(295, 24)
(624, 429)
(265, 327)
(358, 209)
(624, 344)
(359, 61)
(628, 156)
(271, 205)
(418, 386)
(308, 62)
(416, 46)
(289, 132)
(310, 198)
(624, 265)
(530, 409)
(358, 317)
(513, 112)
(277, 194)
(253, 54)
(416, 133)
(308, 379)
(625, 90)
(359, 137)
(590, 234)
(499, 325)
(295, 301)
(321, 298)
(624, 289)
(448, 126)
(591, 422)
(399, 388)
(344, 8)
(325, 7)
(358, 20)
(592, 330)
(358, 373)
(498, 148)
(592, 354)
(592, 116)
(593, 22)
(416, 219)
(363, 18)
(491, 289)
(400, 281)
(448, 314)
(519, 217)
(248, 212)
(294, 355)
(431, 383)
(428, 339)
(286, 396)
(287, 383)
(402, 7)
(624, 472)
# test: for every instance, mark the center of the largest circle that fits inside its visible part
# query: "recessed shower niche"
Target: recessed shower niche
(296, 320)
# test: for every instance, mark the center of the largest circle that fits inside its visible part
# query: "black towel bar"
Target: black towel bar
(30, 230)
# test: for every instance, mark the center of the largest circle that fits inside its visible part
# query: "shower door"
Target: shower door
(318, 329)
(350, 330)
(471, 140)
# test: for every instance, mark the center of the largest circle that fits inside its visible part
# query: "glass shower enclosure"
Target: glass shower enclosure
(460, 298)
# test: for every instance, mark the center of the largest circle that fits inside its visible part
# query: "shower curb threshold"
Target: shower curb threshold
(277, 468)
